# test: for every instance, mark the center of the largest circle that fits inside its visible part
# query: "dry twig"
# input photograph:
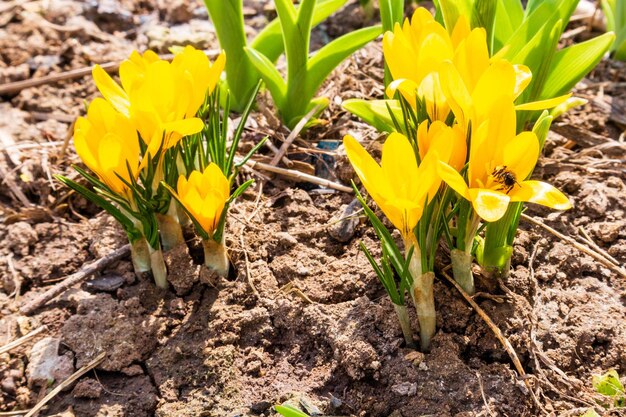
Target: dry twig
(294, 133)
(69, 381)
(297, 175)
(22, 340)
(499, 335)
(75, 278)
(584, 249)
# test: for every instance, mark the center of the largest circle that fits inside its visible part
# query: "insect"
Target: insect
(505, 178)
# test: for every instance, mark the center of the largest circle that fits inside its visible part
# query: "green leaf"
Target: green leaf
(590, 413)
(375, 112)
(608, 384)
(125, 222)
(397, 260)
(541, 20)
(542, 126)
(452, 9)
(537, 56)
(289, 411)
(391, 12)
(571, 64)
(483, 16)
(385, 276)
(269, 41)
(237, 136)
(227, 17)
(509, 17)
(271, 77)
(332, 54)
(564, 8)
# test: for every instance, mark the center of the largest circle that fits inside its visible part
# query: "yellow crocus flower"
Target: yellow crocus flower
(162, 98)
(131, 70)
(204, 75)
(415, 51)
(204, 196)
(499, 163)
(399, 186)
(472, 104)
(106, 142)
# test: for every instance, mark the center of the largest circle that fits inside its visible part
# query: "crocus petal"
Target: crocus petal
(489, 205)
(456, 92)
(111, 90)
(540, 193)
(408, 88)
(185, 127)
(523, 76)
(453, 179)
(399, 166)
(520, 154)
(544, 104)
(368, 171)
(81, 129)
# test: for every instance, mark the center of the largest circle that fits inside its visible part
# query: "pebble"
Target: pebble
(106, 283)
(343, 231)
(87, 388)
(407, 389)
(46, 365)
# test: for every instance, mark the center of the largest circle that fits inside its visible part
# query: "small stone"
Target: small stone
(335, 402)
(406, 389)
(345, 223)
(87, 388)
(260, 407)
(132, 370)
(415, 357)
(21, 237)
(286, 240)
(46, 365)
(106, 283)
(177, 306)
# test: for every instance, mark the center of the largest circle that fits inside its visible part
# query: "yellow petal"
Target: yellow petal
(523, 76)
(471, 58)
(489, 205)
(544, 104)
(461, 30)
(520, 154)
(497, 81)
(540, 193)
(214, 179)
(399, 166)
(407, 88)
(81, 129)
(111, 90)
(458, 97)
(368, 171)
(185, 127)
(451, 177)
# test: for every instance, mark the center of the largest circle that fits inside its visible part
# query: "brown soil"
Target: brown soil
(302, 317)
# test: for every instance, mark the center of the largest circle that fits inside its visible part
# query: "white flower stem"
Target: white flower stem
(215, 256)
(422, 294)
(140, 255)
(462, 270)
(159, 270)
(169, 227)
(405, 324)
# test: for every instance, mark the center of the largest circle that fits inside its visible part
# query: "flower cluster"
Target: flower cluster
(458, 127)
(147, 135)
